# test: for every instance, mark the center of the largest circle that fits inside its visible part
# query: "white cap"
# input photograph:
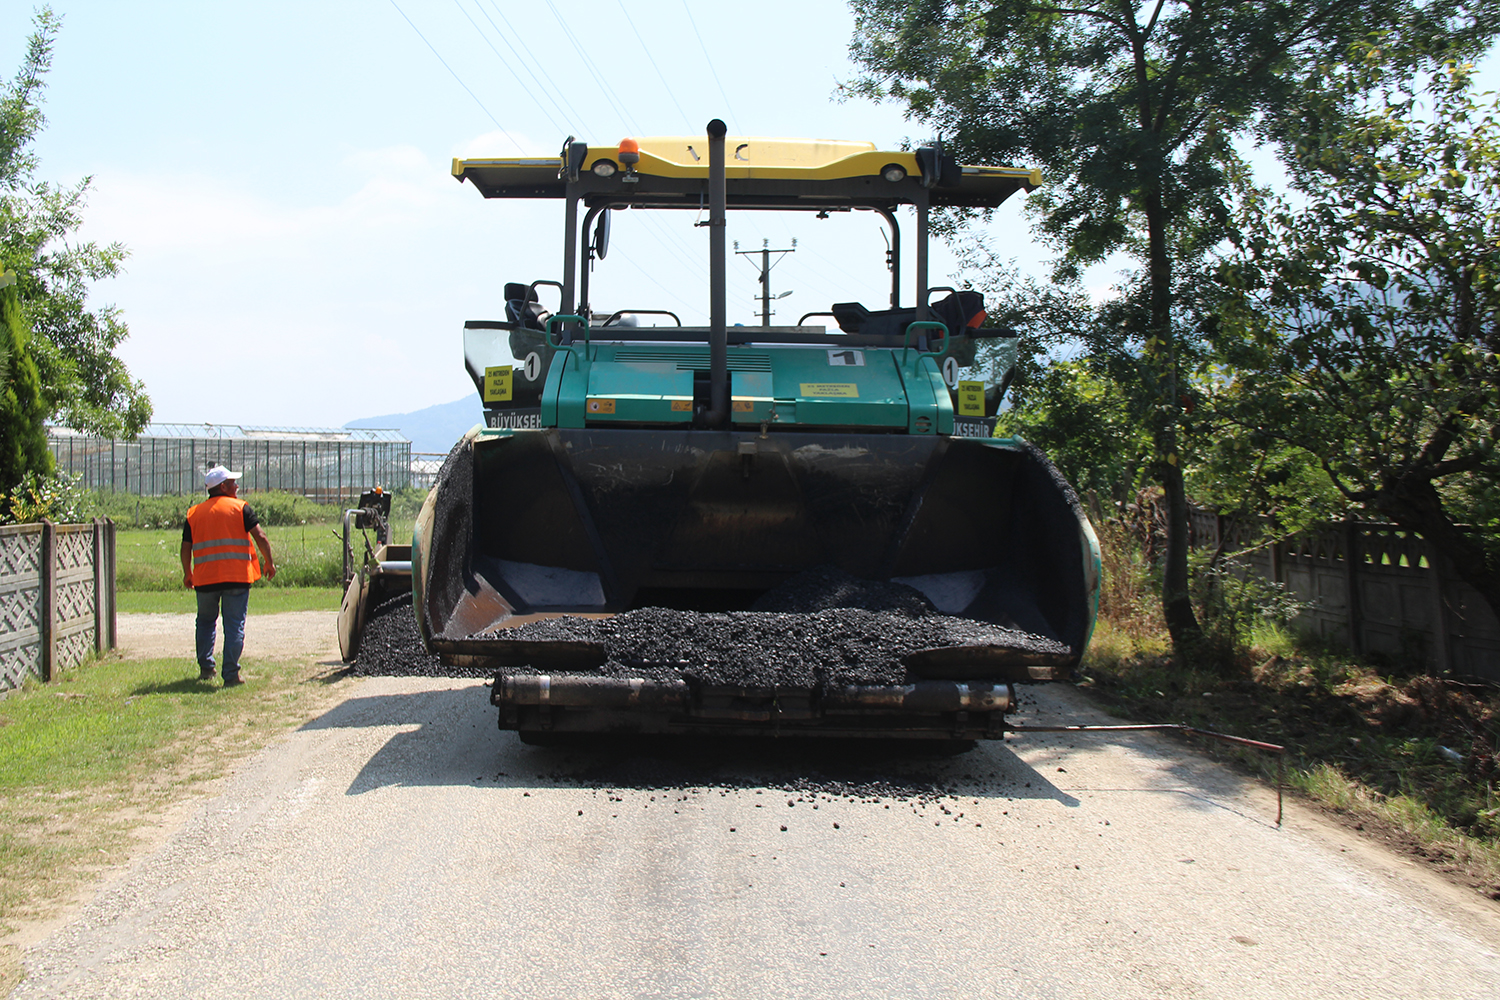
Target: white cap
(213, 477)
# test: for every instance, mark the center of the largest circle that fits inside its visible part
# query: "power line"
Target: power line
(534, 68)
(504, 62)
(458, 78)
(588, 64)
(710, 61)
(647, 49)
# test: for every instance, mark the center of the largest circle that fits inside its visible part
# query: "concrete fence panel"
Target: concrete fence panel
(1377, 588)
(57, 597)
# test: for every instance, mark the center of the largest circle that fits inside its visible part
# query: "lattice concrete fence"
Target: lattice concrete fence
(57, 597)
(1375, 587)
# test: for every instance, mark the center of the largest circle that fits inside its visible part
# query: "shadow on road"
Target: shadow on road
(455, 742)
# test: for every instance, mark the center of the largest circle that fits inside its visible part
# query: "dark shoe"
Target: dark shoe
(232, 682)
(207, 674)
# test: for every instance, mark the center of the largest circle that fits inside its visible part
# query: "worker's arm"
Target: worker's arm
(187, 563)
(268, 565)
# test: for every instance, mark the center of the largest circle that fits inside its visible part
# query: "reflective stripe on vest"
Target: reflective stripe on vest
(225, 555)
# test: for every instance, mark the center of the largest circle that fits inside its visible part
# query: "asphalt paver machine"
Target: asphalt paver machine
(630, 462)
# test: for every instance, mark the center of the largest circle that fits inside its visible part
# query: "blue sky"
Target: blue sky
(300, 254)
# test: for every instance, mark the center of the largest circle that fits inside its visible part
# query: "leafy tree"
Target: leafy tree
(1133, 108)
(23, 445)
(84, 384)
(1086, 424)
(1364, 325)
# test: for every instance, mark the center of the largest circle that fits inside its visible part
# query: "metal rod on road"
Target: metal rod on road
(1279, 751)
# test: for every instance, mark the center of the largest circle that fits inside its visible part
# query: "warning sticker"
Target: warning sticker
(599, 406)
(971, 399)
(682, 406)
(831, 390)
(497, 384)
(743, 406)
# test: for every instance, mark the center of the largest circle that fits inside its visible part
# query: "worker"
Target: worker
(219, 563)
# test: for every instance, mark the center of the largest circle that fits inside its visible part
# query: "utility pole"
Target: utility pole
(766, 263)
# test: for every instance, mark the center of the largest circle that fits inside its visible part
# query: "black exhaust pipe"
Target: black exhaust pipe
(718, 344)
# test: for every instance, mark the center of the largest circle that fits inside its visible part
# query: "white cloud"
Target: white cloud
(243, 307)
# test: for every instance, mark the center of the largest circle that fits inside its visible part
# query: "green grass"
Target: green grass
(83, 759)
(264, 600)
(96, 724)
(307, 555)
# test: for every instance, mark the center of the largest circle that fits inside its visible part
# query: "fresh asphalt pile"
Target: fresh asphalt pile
(821, 628)
(391, 646)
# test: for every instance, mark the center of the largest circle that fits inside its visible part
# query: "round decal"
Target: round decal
(533, 366)
(950, 372)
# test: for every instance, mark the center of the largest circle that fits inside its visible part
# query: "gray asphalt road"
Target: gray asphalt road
(401, 846)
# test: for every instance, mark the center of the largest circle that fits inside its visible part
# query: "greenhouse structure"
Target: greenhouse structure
(326, 464)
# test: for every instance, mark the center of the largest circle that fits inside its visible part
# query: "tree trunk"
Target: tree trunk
(1176, 602)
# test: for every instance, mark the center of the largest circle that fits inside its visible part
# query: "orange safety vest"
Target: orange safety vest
(222, 550)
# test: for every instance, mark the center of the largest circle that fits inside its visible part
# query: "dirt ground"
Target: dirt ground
(287, 635)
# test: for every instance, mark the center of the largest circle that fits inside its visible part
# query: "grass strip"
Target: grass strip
(263, 600)
(85, 761)
(307, 555)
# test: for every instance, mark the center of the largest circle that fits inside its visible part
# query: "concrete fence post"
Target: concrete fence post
(48, 585)
(1352, 559)
(110, 582)
(1443, 647)
(99, 596)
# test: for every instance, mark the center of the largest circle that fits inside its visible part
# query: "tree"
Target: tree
(84, 384)
(1363, 322)
(23, 445)
(1133, 108)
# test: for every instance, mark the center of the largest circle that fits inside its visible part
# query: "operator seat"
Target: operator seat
(523, 308)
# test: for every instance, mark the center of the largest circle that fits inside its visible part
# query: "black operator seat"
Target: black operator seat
(522, 307)
(962, 312)
(850, 316)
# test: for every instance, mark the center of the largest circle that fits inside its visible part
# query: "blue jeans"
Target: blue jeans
(235, 602)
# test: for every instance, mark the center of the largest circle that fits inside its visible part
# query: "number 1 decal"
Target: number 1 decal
(843, 358)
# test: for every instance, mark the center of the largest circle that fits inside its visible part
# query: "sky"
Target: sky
(300, 254)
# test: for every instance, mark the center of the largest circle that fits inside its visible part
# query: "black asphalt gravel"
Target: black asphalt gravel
(829, 647)
(392, 646)
(821, 628)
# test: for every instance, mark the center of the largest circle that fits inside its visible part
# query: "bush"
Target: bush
(57, 497)
(279, 509)
(1231, 606)
(130, 511)
(273, 507)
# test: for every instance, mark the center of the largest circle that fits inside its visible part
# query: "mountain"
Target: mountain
(434, 429)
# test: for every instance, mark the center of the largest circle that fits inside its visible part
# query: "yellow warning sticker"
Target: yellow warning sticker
(831, 390)
(599, 406)
(682, 406)
(971, 399)
(743, 406)
(497, 384)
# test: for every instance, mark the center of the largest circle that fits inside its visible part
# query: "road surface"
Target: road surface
(402, 846)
